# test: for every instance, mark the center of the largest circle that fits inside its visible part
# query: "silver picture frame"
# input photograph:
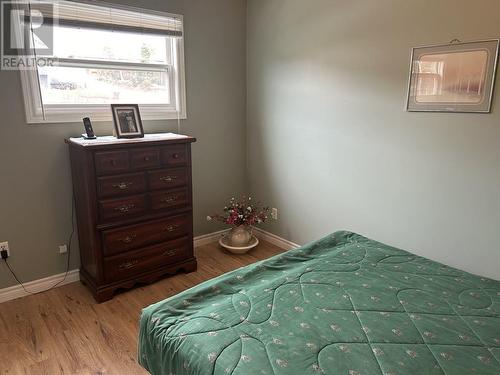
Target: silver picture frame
(454, 77)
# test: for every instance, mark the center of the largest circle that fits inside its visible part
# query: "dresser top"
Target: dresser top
(148, 138)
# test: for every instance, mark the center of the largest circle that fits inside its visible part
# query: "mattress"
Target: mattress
(344, 304)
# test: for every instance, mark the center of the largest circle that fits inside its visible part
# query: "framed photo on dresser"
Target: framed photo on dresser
(127, 121)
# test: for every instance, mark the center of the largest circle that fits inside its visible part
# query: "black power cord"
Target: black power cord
(70, 239)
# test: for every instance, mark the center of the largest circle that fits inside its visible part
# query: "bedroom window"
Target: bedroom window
(103, 54)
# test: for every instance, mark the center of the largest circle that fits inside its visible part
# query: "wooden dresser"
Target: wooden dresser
(134, 209)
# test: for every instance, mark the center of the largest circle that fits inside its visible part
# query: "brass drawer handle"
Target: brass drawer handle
(170, 253)
(124, 208)
(175, 156)
(171, 228)
(168, 178)
(129, 238)
(170, 199)
(123, 185)
(146, 158)
(128, 265)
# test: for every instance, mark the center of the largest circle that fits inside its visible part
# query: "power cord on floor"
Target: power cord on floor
(70, 240)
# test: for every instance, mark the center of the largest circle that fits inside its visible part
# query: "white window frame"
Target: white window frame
(38, 113)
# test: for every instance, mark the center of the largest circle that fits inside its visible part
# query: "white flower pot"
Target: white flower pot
(239, 236)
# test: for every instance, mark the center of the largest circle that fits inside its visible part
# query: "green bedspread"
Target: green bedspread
(341, 305)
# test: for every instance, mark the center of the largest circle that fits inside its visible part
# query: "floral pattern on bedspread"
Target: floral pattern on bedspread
(344, 304)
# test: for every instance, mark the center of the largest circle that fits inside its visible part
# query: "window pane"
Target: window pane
(110, 45)
(68, 85)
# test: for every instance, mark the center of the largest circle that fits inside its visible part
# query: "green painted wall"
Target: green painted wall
(327, 140)
(35, 187)
(330, 145)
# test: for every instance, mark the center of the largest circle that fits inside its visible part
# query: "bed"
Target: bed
(344, 304)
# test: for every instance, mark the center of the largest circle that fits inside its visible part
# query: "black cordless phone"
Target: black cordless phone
(88, 129)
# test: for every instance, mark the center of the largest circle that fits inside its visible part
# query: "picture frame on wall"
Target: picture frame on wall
(454, 77)
(127, 121)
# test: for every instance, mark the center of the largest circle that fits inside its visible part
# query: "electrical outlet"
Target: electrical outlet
(63, 249)
(274, 213)
(5, 246)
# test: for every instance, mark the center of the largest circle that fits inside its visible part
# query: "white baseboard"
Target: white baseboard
(261, 234)
(275, 240)
(37, 286)
(206, 239)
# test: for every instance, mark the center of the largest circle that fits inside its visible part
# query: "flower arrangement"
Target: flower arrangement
(242, 211)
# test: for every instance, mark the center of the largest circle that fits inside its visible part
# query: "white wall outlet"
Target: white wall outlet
(274, 213)
(63, 249)
(5, 246)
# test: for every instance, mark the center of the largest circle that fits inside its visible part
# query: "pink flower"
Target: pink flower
(242, 212)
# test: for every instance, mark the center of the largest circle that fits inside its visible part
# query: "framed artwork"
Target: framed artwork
(455, 77)
(127, 120)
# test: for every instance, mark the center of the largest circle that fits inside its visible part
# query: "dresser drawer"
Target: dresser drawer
(125, 265)
(111, 162)
(135, 236)
(126, 184)
(175, 155)
(167, 178)
(145, 158)
(168, 199)
(122, 208)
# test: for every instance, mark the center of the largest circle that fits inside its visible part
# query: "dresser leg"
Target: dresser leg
(190, 267)
(104, 295)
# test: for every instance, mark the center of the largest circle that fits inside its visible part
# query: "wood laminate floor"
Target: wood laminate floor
(64, 331)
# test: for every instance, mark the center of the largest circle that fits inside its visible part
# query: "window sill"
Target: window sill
(98, 115)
